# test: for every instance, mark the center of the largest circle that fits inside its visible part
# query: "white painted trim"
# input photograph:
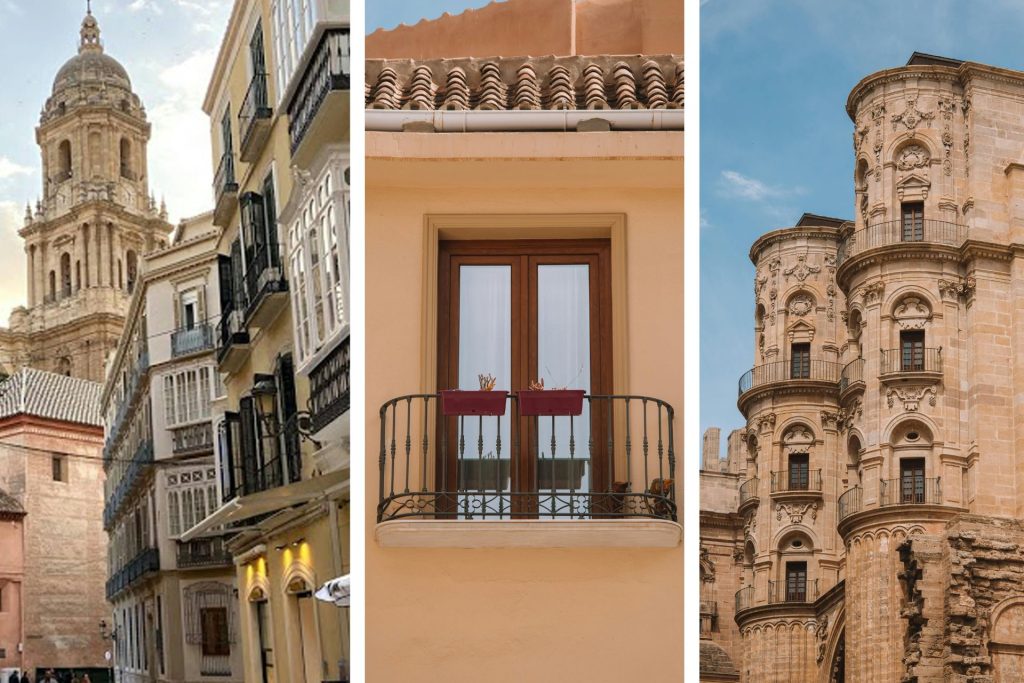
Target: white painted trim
(455, 121)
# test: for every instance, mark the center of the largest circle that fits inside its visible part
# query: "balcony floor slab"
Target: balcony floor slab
(529, 533)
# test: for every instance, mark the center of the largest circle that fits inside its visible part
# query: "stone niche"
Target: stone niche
(965, 602)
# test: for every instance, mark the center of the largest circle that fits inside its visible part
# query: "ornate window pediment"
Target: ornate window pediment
(913, 313)
(800, 332)
(913, 187)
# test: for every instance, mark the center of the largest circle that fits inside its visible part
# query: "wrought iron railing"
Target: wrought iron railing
(141, 460)
(194, 438)
(148, 560)
(224, 179)
(263, 276)
(785, 371)
(796, 480)
(203, 552)
(910, 491)
(329, 69)
(911, 360)
(852, 373)
(113, 429)
(901, 232)
(188, 340)
(615, 458)
(329, 395)
(744, 598)
(231, 330)
(748, 490)
(792, 591)
(850, 502)
(255, 106)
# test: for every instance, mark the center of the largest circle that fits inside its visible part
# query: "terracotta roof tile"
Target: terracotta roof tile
(9, 505)
(48, 395)
(527, 83)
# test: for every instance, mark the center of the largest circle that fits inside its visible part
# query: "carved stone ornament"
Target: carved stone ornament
(766, 423)
(851, 415)
(911, 115)
(821, 637)
(750, 524)
(830, 419)
(801, 305)
(954, 289)
(911, 397)
(798, 439)
(796, 512)
(802, 269)
(872, 293)
(913, 156)
(912, 314)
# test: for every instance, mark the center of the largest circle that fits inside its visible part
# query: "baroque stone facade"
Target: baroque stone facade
(96, 218)
(874, 514)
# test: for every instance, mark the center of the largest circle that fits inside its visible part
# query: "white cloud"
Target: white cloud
(736, 184)
(12, 275)
(9, 169)
(151, 5)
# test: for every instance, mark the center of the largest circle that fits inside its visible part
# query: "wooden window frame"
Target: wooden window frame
(912, 222)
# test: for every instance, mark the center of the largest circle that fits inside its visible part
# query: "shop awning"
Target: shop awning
(337, 591)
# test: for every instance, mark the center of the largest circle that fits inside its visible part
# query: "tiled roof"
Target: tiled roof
(48, 395)
(9, 505)
(608, 82)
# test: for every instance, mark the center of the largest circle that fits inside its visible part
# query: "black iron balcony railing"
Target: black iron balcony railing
(850, 502)
(192, 439)
(792, 591)
(187, 340)
(145, 562)
(796, 480)
(329, 69)
(852, 374)
(224, 179)
(910, 491)
(263, 276)
(255, 107)
(899, 232)
(329, 396)
(911, 360)
(615, 458)
(748, 490)
(744, 598)
(141, 460)
(784, 371)
(231, 330)
(203, 552)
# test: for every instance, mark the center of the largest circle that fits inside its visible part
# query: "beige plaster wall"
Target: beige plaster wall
(580, 614)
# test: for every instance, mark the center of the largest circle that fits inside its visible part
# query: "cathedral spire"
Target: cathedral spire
(90, 32)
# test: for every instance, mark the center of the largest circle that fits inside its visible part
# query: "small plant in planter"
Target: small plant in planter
(537, 400)
(486, 401)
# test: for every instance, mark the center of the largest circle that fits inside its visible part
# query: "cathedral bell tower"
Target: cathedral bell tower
(85, 237)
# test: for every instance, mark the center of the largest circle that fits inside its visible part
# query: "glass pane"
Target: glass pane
(485, 348)
(563, 362)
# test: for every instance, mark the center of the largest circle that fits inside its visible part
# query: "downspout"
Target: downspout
(560, 120)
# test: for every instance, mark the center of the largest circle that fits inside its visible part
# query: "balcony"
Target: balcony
(265, 287)
(910, 491)
(744, 598)
(202, 553)
(255, 476)
(254, 119)
(748, 492)
(141, 460)
(796, 481)
(614, 459)
(234, 341)
(145, 562)
(319, 107)
(852, 376)
(850, 502)
(891, 233)
(193, 439)
(910, 363)
(186, 341)
(225, 190)
(792, 592)
(328, 387)
(787, 373)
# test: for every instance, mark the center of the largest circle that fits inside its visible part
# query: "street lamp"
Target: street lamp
(110, 635)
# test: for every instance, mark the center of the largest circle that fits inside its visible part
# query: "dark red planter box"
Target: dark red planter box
(551, 402)
(457, 402)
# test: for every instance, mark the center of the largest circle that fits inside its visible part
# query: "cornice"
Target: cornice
(773, 237)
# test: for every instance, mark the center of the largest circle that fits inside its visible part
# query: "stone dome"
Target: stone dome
(91, 65)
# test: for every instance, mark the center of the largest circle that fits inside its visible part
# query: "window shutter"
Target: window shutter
(287, 408)
(225, 280)
(229, 463)
(177, 309)
(237, 277)
(270, 220)
(201, 306)
(247, 457)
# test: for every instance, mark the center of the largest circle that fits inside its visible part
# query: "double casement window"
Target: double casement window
(912, 222)
(294, 21)
(800, 361)
(191, 498)
(319, 264)
(187, 396)
(255, 258)
(912, 350)
(799, 472)
(912, 480)
(796, 582)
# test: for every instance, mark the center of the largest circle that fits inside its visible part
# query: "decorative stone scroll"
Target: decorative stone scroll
(911, 397)
(911, 115)
(796, 513)
(912, 314)
(913, 156)
(802, 269)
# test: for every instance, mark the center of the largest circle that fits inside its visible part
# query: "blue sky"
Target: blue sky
(388, 14)
(168, 48)
(776, 140)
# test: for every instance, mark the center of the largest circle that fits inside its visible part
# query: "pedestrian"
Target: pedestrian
(85, 678)
(24, 677)
(13, 678)
(50, 677)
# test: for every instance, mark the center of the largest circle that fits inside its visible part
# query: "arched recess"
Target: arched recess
(854, 330)
(64, 366)
(835, 652)
(854, 445)
(133, 269)
(53, 285)
(1006, 640)
(861, 185)
(796, 578)
(760, 313)
(302, 614)
(126, 159)
(65, 275)
(64, 160)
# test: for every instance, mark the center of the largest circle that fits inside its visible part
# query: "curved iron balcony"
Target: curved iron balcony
(901, 232)
(852, 374)
(779, 593)
(910, 492)
(744, 598)
(909, 360)
(785, 481)
(748, 490)
(850, 502)
(613, 459)
(788, 371)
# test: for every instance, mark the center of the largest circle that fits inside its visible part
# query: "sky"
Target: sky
(388, 14)
(168, 48)
(776, 140)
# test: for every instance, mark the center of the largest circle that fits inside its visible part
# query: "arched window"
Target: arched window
(126, 159)
(120, 275)
(133, 269)
(78, 275)
(53, 286)
(63, 160)
(64, 366)
(65, 275)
